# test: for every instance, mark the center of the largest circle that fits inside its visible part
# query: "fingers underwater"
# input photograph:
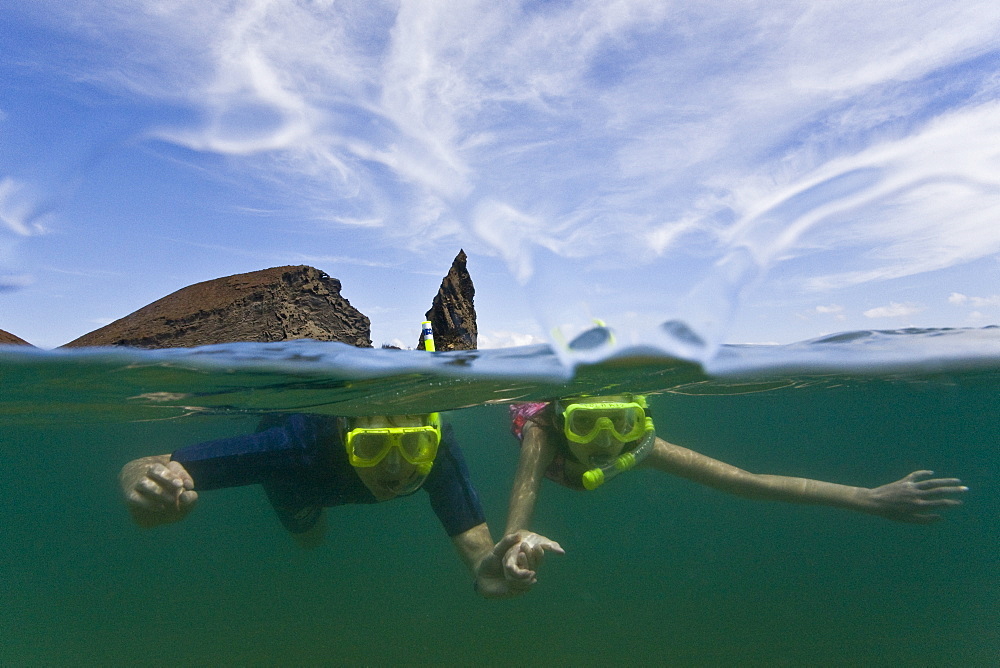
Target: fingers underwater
(942, 502)
(187, 498)
(507, 542)
(953, 483)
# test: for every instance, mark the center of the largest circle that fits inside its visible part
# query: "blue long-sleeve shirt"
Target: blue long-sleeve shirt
(302, 464)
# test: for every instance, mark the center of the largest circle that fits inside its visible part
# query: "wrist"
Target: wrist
(490, 588)
(865, 500)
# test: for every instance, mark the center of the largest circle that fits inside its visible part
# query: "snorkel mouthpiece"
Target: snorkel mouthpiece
(596, 477)
(417, 482)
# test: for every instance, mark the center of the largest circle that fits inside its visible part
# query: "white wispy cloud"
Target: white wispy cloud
(439, 93)
(505, 339)
(893, 310)
(959, 299)
(908, 206)
(19, 210)
(835, 310)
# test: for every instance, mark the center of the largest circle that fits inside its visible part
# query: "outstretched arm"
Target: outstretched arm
(525, 551)
(536, 455)
(157, 490)
(911, 499)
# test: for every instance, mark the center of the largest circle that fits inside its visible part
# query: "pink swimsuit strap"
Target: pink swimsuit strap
(521, 413)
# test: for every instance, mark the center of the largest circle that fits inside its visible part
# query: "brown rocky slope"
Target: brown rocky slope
(6, 338)
(274, 304)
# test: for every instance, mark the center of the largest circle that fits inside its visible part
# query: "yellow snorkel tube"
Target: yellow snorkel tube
(428, 332)
(596, 477)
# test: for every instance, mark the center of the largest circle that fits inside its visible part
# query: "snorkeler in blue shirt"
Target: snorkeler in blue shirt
(306, 463)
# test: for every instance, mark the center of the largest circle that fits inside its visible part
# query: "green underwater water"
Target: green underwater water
(658, 570)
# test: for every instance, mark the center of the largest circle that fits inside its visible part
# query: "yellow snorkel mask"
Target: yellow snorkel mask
(624, 421)
(368, 446)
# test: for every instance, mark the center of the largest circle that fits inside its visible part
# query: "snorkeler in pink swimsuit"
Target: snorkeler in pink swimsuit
(584, 441)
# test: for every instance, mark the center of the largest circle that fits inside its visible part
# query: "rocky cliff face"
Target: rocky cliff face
(275, 304)
(6, 338)
(453, 313)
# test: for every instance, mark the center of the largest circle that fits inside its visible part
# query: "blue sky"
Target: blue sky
(763, 172)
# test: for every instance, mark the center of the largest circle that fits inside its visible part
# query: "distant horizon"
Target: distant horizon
(399, 344)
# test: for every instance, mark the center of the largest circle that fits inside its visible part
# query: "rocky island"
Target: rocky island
(453, 312)
(276, 304)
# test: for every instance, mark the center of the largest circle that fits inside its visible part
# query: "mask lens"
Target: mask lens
(584, 422)
(419, 446)
(624, 421)
(370, 446)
